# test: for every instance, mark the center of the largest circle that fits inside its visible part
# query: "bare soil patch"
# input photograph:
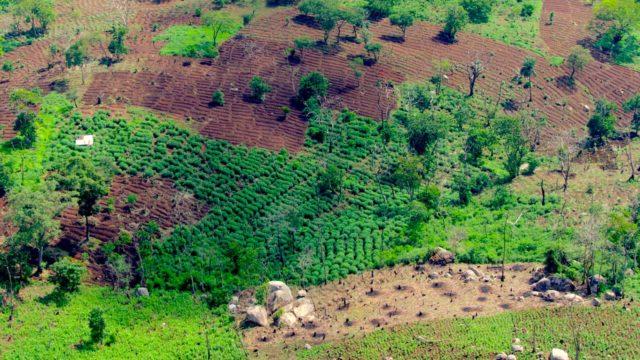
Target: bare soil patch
(404, 294)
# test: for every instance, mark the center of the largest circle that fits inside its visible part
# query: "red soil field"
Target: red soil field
(571, 19)
(167, 85)
(156, 200)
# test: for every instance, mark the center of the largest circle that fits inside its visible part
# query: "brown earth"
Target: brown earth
(156, 200)
(402, 295)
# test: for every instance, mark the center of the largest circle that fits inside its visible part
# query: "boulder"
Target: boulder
(536, 276)
(558, 354)
(433, 275)
(542, 285)
(561, 284)
(302, 293)
(501, 356)
(595, 282)
(596, 302)
(610, 295)
(511, 357)
(442, 257)
(303, 308)
(517, 348)
(307, 346)
(279, 295)
(142, 292)
(486, 279)
(258, 315)
(287, 319)
(572, 297)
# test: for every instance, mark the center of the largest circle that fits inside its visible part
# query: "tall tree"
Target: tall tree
(577, 61)
(90, 191)
(528, 70)
(403, 20)
(632, 105)
(219, 22)
(34, 212)
(455, 20)
(77, 55)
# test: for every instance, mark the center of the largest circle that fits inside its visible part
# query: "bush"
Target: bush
(97, 325)
(217, 99)
(430, 197)
(554, 260)
(7, 66)
(455, 20)
(379, 9)
(67, 275)
(527, 10)
(5, 180)
(479, 10)
(312, 85)
(259, 88)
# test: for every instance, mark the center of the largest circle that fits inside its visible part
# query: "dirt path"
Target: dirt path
(401, 295)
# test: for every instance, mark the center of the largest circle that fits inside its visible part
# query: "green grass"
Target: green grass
(602, 333)
(193, 41)
(164, 326)
(27, 165)
(505, 24)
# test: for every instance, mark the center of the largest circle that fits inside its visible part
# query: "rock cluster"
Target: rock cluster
(281, 308)
(441, 257)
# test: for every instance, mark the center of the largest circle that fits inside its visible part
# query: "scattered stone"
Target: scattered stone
(447, 275)
(511, 357)
(515, 341)
(235, 299)
(258, 315)
(307, 346)
(517, 348)
(595, 282)
(520, 298)
(441, 257)
(501, 356)
(477, 272)
(535, 293)
(287, 319)
(469, 275)
(596, 302)
(486, 279)
(142, 292)
(572, 297)
(586, 108)
(551, 295)
(610, 295)
(561, 284)
(303, 308)
(302, 293)
(433, 275)
(279, 295)
(558, 354)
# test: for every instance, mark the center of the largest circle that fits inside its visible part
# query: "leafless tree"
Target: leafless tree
(589, 238)
(567, 152)
(474, 70)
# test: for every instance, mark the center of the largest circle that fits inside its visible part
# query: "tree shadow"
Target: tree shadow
(566, 83)
(57, 297)
(392, 38)
(306, 20)
(443, 38)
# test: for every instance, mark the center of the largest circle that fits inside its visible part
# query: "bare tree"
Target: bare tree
(474, 70)
(589, 238)
(567, 152)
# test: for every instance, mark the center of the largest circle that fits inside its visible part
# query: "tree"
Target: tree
(97, 325)
(117, 46)
(441, 68)
(34, 213)
(259, 88)
(5, 179)
(462, 185)
(409, 174)
(426, 129)
(67, 275)
(91, 190)
(455, 20)
(330, 180)
(403, 20)
(217, 99)
(313, 85)
(36, 12)
(77, 55)
(614, 27)
(509, 129)
(303, 43)
(479, 10)
(603, 122)
(374, 50)
(26, 128)
(15, 274)
(577, 60)
(566, 153)
(474, 70)
(379, 9)
(528, 70)
(632, 105)
(328, 18)
(219, 22)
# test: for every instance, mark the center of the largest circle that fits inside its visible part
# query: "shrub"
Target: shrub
(455, 20)
(430, 197)
(198, 12)
(312, 85)
(259, 88)
(7, 66)
(67, 275)
(217, 99)
(379, 9)
(97, 325)
(527, 10)
(554, 260)
(479, 10)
